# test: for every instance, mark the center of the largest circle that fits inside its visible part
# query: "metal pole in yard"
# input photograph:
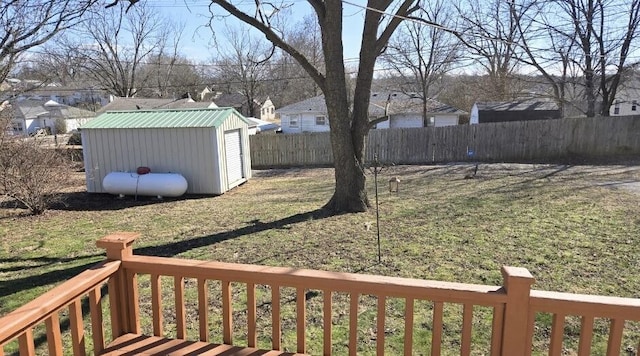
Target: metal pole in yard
(375, 178)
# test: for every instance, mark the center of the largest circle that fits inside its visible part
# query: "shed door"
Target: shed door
(233, 155)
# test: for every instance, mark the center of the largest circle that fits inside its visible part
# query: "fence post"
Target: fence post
(123, 293)
(517, 283)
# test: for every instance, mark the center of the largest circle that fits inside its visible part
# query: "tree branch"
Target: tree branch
(318, 77)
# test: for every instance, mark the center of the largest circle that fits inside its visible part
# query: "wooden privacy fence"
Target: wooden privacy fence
(523, 141)
(195, 303)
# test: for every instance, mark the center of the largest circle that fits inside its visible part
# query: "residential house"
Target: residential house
(268, 111)
(237, 101)
(71, 95)
(309, 115)
(127, 104)
(407, 110)
(265, 109)
(627, 99)
(401, 111)
(32, 115)
(519, 110)
(206, 94)
(257, 126)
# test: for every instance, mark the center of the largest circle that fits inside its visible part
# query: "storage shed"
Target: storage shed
(209, 147)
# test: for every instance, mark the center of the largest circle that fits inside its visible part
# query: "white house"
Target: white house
(309, 115)
(627, 99)
(405, 110)
(257, 126)
(72, 95)
(31, 115)
(401, 111)
(268, 110)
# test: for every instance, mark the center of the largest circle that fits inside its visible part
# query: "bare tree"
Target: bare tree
(243, 65)
(290, 82)
(121, 42)
(168, 73)
(605, 46)
(554, 61)
(56, 63)
(30, 173)
(420, 55)
(489, 31)
(593, 39)
(349, 124)
(170, 76)
(27, 24)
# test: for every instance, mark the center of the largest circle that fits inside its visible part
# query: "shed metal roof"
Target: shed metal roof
(172, 118)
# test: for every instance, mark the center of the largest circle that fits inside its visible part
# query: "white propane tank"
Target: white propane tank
(151, 184)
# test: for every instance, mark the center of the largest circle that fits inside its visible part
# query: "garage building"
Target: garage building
(209, 147)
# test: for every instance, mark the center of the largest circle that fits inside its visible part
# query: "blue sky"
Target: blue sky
(197, 37)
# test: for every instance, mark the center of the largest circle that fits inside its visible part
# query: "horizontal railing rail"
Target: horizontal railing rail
(321, 280)
(44, 309)
(588, 308)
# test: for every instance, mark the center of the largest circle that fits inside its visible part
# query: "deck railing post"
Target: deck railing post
(119, 246)
(517, 284)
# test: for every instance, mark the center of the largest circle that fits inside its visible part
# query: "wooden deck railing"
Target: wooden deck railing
(513, 307)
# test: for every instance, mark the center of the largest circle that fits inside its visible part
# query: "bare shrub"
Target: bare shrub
(30, 173)
(60, 126)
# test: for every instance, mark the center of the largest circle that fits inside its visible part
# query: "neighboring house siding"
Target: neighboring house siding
(305, 122)
(268, 111)
(405, 121)
(73, 124)
(446, 120)
(119, 150)
(624, 108)
(414, 121)
(308, 123)
(286, 123)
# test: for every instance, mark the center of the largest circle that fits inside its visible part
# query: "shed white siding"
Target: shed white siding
(188, 142)
(231, 124)
(163, 150)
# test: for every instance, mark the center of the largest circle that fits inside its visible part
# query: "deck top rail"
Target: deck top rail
(513, 306)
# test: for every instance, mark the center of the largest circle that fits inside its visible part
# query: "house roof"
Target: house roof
(31, 109)
(261, 124)
(407, 103)
(521, 105)
(120, 104)
(169, 118)
(315, 104)
(399, 103)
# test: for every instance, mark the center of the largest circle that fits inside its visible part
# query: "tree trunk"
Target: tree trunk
(350, 194)
(347, 143)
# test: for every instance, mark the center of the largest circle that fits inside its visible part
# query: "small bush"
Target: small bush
(75, 139)
(60, 126)
(29, 172)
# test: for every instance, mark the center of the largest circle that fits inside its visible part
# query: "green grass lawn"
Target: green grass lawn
(576, 228)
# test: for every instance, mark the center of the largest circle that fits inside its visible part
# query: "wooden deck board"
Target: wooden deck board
(135, 344)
